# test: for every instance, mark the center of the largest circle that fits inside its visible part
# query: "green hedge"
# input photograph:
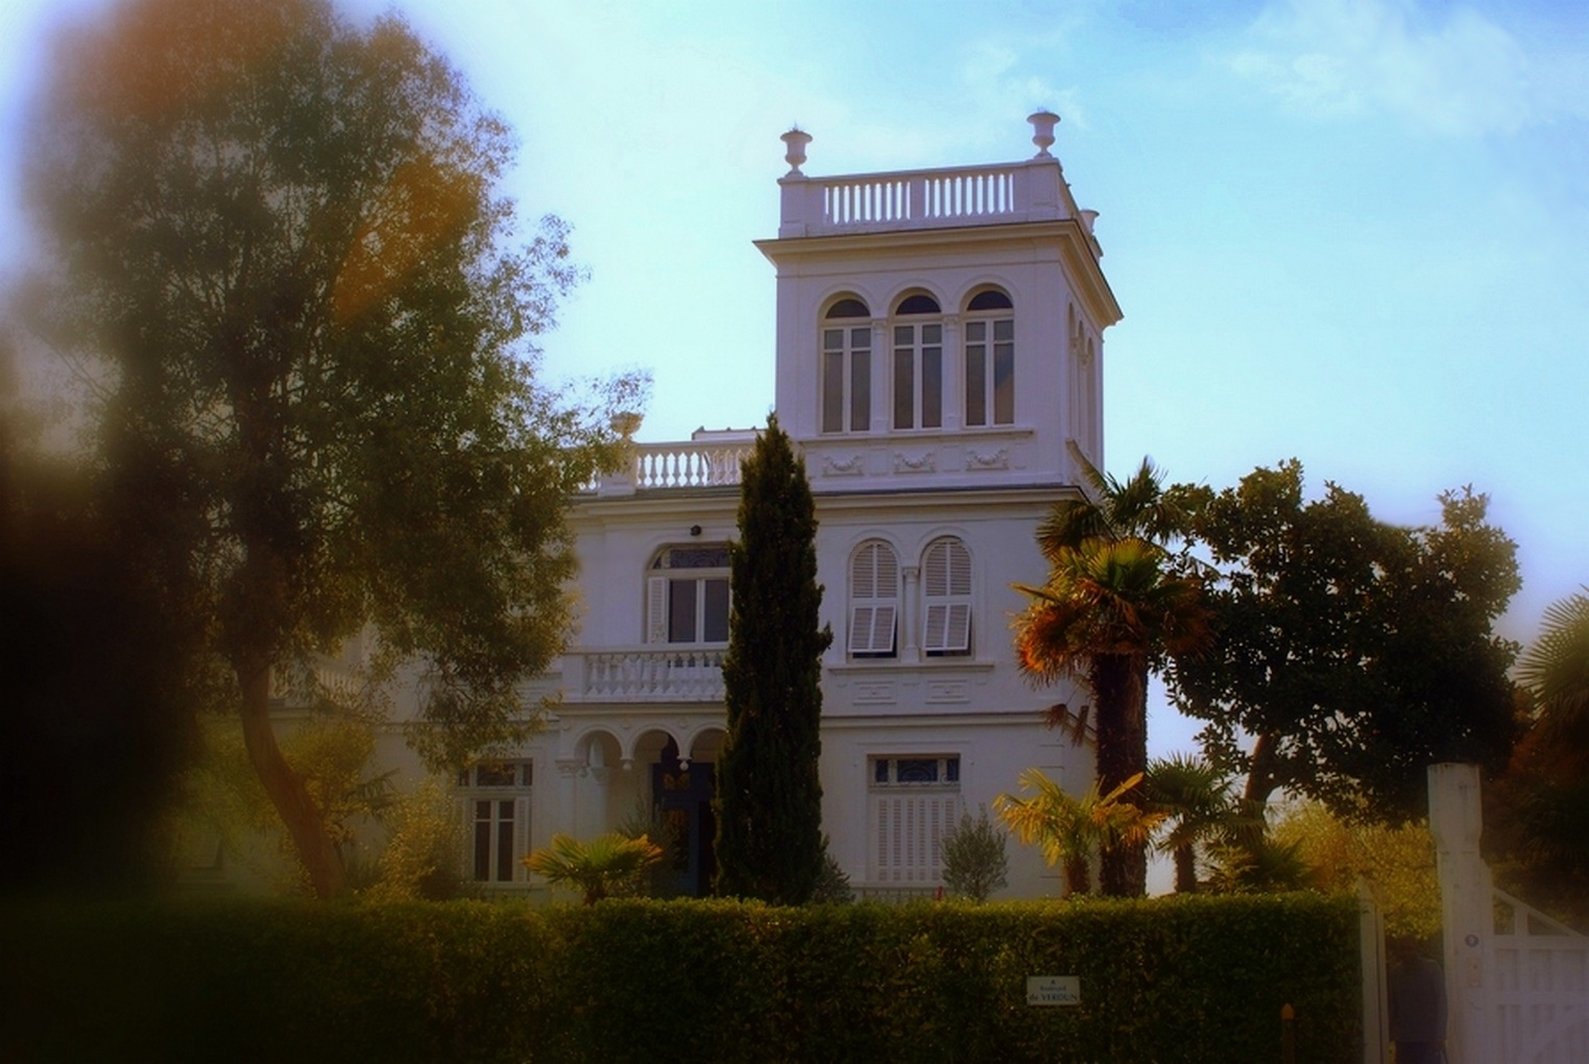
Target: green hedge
(1177, 979)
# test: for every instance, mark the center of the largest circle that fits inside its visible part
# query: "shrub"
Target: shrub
(974, 859)
(610, 865)
(1191, 979)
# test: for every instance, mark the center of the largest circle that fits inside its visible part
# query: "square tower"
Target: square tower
(939, 327)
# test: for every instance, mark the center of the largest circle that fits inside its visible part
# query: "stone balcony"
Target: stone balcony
(672, 673)
(848, 461)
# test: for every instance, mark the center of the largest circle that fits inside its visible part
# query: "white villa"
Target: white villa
(940, 341)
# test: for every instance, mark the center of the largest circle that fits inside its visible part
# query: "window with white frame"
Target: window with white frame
(915, 802)
(874, 601)
(687, 595)
(989, 328)
(918, 363)
(847, 367)
(946, 597)
(495, 800)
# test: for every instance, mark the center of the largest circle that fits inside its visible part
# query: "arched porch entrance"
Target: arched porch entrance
(660, 781)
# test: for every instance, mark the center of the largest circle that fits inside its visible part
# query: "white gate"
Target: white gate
(1517, 981)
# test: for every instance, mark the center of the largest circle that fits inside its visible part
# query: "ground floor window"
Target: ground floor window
(914, 802)
(495, 797)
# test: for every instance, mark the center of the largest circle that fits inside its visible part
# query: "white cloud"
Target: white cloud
(1456, 74)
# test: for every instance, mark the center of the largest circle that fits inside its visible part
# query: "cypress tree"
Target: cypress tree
(769, 797)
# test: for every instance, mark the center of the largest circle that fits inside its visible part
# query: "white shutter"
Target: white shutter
(957, 627)
(909, 835)
(863, 572)
(463, 814)
(656, 609)
(874, 591)
(946, 590)
(521, 838)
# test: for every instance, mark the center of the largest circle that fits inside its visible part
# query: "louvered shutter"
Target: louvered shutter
(946, 591)
(656, 609)
(521, 837)
(874, 593)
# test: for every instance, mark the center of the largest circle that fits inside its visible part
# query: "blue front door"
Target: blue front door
(683, 798)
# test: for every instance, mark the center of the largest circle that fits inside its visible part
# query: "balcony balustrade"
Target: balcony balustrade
(673, 673)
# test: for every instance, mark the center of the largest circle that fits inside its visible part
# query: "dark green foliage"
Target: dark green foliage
(94, 727)
(276, 244)
(974, 857)
(1190, 980)
(1355, 652)
(769, 797)
(833, 883)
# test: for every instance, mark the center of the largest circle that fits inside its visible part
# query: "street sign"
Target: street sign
(1053, 990)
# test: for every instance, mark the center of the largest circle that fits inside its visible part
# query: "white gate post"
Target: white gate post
(1371, 944)
(1466, 902)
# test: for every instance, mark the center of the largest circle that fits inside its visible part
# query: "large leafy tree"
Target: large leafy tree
(769, 796)
(277, 249)
(1115, 602)
(1350, 653)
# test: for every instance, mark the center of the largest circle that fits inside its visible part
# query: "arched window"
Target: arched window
(918, 363)
(946, 597)
(874, 600)
(847, 367)
(687, 595)
(990, 359)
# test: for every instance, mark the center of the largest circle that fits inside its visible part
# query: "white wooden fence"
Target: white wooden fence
(1516, 980)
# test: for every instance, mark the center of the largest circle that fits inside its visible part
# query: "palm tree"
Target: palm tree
(1261, 865)
(1201, 806)
(1114, 604)
(1070, 830)
(606, 865)
(1556, 668)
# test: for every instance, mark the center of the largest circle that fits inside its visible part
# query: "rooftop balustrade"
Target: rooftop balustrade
(1034, 190)
(687, 464)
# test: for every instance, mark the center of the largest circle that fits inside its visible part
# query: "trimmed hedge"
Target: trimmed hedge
(1175, 979)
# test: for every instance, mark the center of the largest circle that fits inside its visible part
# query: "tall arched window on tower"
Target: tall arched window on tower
(990, 359)
(918, 363)
(847, 367)
(874, 600)
(946, 597)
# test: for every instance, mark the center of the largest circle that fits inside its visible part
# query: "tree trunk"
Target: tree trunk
(1185, 870)
(1261, 776)
(1078, 878)
(284, 786)
(1120, 685)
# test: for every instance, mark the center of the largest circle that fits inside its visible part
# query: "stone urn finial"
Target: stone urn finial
(625, 423)
(795, 142)
(1043, 123)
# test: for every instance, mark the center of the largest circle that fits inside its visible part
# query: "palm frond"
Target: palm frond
(1556, 667)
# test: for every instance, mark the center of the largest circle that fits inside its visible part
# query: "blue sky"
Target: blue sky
(1351, 231)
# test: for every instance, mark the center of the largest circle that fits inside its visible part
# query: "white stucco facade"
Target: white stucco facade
(939, 349)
